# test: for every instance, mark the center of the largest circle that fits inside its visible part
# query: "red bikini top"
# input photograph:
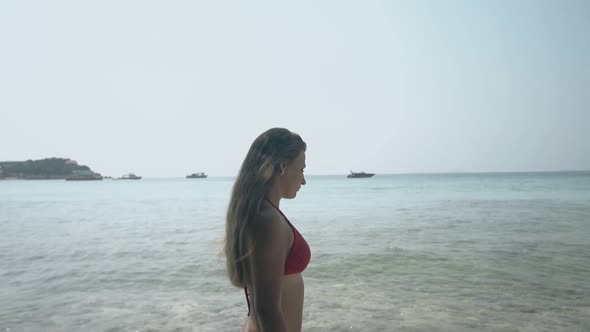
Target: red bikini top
(300, 254)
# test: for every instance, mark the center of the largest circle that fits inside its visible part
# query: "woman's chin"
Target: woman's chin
(291, 195)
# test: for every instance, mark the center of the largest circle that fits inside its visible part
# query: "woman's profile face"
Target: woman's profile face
(293, 178)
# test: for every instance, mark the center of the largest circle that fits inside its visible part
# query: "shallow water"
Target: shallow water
(462, 252)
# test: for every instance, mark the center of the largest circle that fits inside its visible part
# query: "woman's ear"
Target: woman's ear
(283, 167)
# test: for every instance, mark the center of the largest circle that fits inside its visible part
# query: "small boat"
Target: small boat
(129, 176)
(85, 175)
(199, 175)
(360, 175)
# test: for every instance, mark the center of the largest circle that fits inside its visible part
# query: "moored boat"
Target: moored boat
(200, 175)
(129, 176)
(360, 175)
(84, 176)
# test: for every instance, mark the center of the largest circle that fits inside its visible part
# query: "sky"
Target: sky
(167, 88)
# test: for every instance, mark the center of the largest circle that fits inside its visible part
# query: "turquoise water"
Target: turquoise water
(463, 252)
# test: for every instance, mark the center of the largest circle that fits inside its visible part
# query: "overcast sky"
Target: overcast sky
(165, 88)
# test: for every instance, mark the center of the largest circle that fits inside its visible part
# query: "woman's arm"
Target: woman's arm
(270, 242)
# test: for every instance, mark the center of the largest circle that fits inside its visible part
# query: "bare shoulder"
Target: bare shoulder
(268, 226)
(267, 216)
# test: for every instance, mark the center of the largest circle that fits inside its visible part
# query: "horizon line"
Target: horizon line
(412, 173)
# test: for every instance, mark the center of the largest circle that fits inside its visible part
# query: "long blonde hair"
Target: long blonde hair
(254, 180)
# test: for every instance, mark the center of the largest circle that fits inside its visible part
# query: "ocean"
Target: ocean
(438, 252)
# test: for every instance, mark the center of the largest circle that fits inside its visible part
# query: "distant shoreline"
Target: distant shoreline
(42, 169)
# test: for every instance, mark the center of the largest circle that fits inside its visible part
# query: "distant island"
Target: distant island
(43, 169)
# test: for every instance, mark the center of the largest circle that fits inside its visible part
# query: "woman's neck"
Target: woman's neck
(274, 197)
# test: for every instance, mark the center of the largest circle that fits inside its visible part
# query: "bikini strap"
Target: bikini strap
(247, 299)
(281, 212)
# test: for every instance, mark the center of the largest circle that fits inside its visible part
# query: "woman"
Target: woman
(265, 253)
